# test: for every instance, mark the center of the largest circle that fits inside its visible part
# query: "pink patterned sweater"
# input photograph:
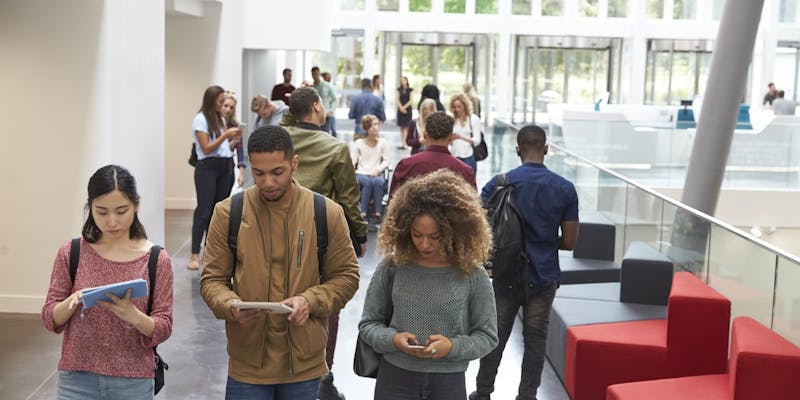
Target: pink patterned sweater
(99, 341)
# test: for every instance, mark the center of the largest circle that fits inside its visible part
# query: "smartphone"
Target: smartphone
(416, 346)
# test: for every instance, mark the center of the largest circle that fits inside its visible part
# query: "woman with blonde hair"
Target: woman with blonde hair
(415, 138)
(435, 239)
(229, 114)
(466, 130)
(476, 102)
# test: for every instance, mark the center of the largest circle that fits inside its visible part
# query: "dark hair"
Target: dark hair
(285, 70)
(430, 91)
(302, 100)
(780, 93)
(209, 110)
(439, 125)
(531, 137)
(314, 68)
(269, 139)
(366, 83)
(105, 180)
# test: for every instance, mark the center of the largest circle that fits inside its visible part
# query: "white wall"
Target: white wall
(200, 52)
(72, 103)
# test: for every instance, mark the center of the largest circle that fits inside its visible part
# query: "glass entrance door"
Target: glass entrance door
(560, 70)
(446, 66)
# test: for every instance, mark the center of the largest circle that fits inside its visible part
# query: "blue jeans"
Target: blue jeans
(82, 385)
(472, 164)
(306, 390)
(536, 302)
(371, 189)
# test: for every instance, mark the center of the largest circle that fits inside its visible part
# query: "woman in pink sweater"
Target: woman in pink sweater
(109, 348)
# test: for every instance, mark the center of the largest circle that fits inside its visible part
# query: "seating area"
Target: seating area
(762, 365)
(692, 340)
(642, 293)
(592, 260)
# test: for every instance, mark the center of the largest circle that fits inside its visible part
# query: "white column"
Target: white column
(504, 86)
(638, 56)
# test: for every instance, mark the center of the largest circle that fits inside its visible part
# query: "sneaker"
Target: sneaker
(477, 396)
(327, 390)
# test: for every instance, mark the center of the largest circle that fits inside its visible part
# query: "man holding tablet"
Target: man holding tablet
(276, 352)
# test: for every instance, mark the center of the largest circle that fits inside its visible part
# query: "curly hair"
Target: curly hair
(467, 106)
(466, 239)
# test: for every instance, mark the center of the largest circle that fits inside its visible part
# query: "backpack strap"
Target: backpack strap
(321, 223)
(237, 204)
(152, 266)
(500, 180)
(74, 257)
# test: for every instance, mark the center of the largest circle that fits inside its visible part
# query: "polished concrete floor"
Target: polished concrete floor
(196, 351)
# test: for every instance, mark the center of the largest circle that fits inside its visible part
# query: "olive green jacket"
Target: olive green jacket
(326, 168)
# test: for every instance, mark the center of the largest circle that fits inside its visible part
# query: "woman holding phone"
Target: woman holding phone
(213, 174)
(436, 240)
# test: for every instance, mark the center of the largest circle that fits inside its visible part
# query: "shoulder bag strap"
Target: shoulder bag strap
(152, 267)
(237, 204)
(321, 223)
(74, 258)
(390, 287)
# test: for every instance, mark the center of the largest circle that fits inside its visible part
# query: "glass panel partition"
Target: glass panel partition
(759, 279)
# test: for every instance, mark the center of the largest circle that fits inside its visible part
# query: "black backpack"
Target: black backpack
(509, 259)
(152, 265)
(320, 222)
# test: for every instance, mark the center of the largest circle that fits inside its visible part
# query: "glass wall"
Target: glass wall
(521, 7)
(420, 5)
(617, 8)
(676, 70)
(347, 49)
(552, 8)
(684, 9)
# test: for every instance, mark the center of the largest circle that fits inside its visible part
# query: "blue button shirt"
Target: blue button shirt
(363, 104)
(545, 200)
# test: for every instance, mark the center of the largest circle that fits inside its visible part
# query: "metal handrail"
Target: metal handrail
(678, 204)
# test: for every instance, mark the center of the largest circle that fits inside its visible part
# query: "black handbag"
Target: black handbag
(366, 360)
(480, 152)
(158, 380)
(193, 156)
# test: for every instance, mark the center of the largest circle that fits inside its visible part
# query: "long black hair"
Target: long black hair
(430, 91)
(105, 180)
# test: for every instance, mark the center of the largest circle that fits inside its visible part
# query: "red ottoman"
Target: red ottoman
(763, 365)
(693, 340)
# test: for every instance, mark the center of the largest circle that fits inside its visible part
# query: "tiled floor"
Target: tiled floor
(196, 351)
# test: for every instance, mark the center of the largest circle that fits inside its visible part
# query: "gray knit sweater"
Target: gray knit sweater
(430, 301)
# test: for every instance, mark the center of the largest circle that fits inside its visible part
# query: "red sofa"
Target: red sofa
(693, 340)
(763, 365)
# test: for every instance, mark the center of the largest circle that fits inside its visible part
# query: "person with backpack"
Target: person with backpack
(527, 277)
(108, 350)
(277, 248)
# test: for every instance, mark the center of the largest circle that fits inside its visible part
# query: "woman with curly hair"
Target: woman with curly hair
(435, 239)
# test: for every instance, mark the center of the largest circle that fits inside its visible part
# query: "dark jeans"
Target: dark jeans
(213, 180)
(327, 127)
(472, 164)
(395, 383)
(536, 302)
(306, 390)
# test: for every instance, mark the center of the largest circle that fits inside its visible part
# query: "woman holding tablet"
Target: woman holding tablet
(436, 240)
(107, 351)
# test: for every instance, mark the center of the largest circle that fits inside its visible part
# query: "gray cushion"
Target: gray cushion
(607, 291)
(646, 275)
(568, 312)
(596, 237)
(580, 270)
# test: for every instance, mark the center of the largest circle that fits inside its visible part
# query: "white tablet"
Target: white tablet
(273, 307)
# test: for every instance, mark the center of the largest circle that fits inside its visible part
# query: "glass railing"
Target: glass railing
(766, 155)
(761, 280)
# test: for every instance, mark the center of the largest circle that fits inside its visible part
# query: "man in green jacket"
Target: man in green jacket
(326, 168)
(277, 261)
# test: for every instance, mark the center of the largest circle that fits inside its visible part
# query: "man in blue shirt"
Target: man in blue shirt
(366, 103)
(546, 202)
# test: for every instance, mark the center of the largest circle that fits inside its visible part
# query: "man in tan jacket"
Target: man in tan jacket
(278, 356)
